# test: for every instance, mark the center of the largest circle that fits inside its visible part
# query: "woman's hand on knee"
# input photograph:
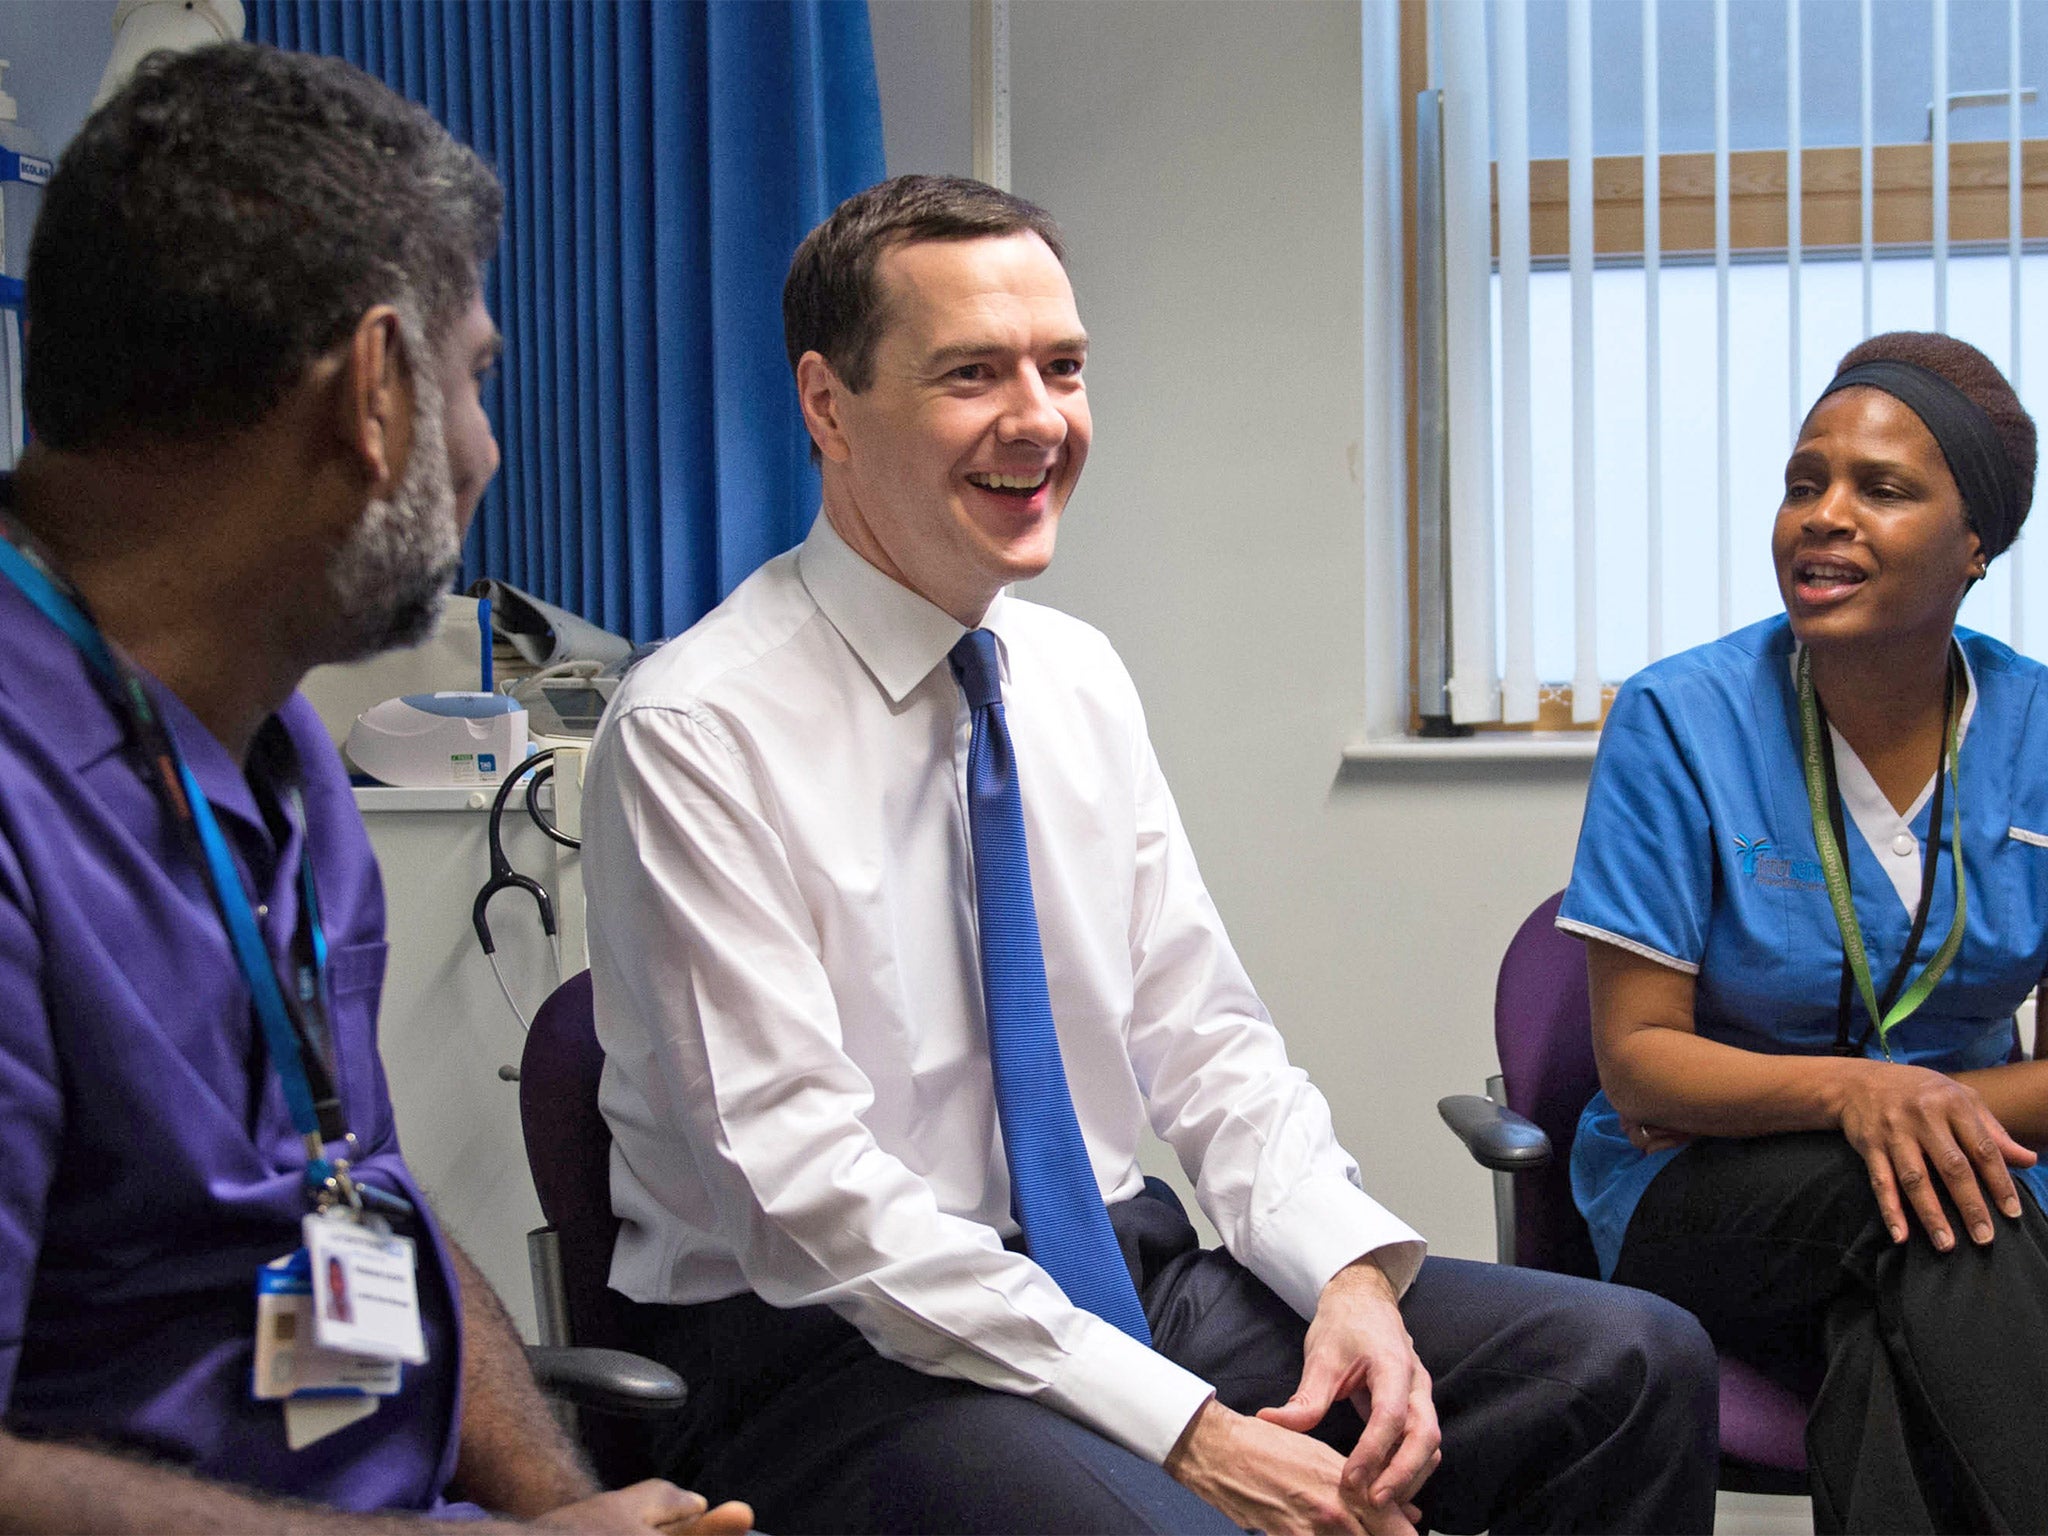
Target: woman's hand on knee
(1913, 1127)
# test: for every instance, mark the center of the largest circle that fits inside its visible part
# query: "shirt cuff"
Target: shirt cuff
(1323, 1226)
(1126, 1391)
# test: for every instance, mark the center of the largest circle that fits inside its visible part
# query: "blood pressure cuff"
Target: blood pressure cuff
(544, 634)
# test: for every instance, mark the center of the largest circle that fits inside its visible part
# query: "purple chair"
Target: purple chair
(568, 1149)
(1523, 1130)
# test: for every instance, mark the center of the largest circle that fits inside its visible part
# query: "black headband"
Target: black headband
(1964, 432)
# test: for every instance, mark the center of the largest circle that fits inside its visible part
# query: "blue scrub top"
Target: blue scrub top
(1697, 851)
(148, 1165)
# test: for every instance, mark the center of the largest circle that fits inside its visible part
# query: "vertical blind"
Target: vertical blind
(1495, 547)
(1474, 686)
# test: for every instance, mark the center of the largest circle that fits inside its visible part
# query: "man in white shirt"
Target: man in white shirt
(789, 969)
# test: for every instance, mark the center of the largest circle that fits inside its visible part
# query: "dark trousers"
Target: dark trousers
(1930, 1368)
(1566, 1406)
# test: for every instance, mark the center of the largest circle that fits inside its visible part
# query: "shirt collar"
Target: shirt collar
(221, 778)
(1963, 718)
(53, 684)
(898, 636)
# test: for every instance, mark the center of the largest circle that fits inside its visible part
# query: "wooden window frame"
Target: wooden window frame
(1831, 200)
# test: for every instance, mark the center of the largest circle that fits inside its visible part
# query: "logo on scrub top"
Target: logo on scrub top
(1757, 862)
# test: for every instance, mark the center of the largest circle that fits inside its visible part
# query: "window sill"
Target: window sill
(1482, 747)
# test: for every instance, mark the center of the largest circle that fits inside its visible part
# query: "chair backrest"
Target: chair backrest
(1543, 1032)
(568, 1148)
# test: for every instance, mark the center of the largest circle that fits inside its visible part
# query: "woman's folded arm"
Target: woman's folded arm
(1911, 1126)
(2018, 1095)
(1659, 1073)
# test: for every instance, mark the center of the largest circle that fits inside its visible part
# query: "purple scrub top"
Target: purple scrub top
(148, 1165)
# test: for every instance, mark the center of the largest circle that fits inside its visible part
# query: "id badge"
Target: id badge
(322, 1391)
(289, 1361)
(365, 1290)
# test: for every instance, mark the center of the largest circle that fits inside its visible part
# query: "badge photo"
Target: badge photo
(365, 1291)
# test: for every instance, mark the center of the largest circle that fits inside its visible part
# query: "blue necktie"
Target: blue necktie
(1053, 1190)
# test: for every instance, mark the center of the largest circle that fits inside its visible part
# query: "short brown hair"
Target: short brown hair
(1978, 379)
(831, 302)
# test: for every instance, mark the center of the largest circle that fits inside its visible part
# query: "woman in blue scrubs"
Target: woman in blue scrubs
(1813, 881)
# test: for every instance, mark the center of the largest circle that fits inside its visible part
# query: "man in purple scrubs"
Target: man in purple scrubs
(255, 340)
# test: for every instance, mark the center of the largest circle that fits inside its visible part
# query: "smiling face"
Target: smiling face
(949, 472)
(1871, 545)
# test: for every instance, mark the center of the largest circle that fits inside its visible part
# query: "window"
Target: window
(1560, 563)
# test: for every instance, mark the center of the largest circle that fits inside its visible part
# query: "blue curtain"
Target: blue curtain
(661, 160)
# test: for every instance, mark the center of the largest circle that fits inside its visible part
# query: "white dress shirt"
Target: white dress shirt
(782, 942)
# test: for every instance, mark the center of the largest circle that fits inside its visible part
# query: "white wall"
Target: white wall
(1203, 157)
(921, 64)
(58, 50)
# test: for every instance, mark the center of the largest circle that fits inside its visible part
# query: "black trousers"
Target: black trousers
(1566, 1405)
(1930, 1368)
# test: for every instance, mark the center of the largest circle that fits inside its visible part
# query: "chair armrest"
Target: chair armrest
(1495, 1135)
(608, 1380)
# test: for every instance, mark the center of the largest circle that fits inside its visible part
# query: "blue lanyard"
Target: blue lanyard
(317, 1118)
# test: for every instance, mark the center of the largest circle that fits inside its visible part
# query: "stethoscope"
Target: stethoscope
(536, 771)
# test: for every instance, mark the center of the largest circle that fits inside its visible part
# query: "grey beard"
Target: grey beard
(389, 576)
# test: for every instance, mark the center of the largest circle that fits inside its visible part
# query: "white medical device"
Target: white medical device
(143, 26)
(565, 703)
(434, 740)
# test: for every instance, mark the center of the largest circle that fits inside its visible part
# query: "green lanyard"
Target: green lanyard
(1835, 867)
